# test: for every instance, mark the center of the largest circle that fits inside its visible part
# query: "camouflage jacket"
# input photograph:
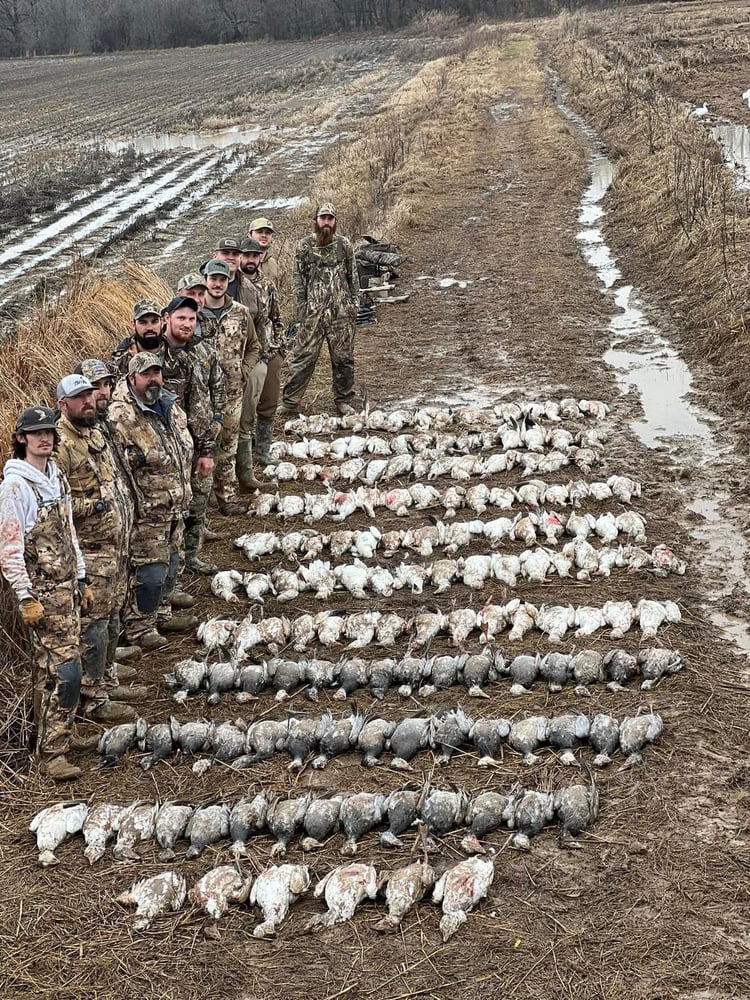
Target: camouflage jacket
(270, 267)
(236, 342)
(157, 451)
(266, 313)
(206, 368)
(325, 278)
(95, 474)
(24, 492)
(178, 373)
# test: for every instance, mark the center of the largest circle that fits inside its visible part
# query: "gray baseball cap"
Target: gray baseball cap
(73, 385)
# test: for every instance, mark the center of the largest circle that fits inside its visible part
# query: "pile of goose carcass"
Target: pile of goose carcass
(238, 639)
(274, 890)
(324, 737)
(321, 579)
(423, 675)
(315, 820)
(338, 505)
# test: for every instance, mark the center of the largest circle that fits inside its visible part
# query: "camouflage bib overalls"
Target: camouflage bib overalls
(52, 567)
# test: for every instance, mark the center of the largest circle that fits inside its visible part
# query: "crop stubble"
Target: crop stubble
(653, 904)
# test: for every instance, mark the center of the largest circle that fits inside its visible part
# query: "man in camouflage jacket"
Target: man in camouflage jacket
(325, 284)
(103, 516)
(150, 432)
(264, 308)
(238, 351)
(208, 382)
(41, 561)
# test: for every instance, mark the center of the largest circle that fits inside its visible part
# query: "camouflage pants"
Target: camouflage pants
(97, 630)
(195, 522)
(339, 332)
(250, 399)
(57, 666)
(155, 548)
(225, 476)
(269, 397)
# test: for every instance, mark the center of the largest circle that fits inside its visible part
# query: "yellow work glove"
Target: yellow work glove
(32, 611)
(87, 598)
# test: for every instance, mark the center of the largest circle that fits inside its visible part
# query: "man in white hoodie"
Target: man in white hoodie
(41, 560)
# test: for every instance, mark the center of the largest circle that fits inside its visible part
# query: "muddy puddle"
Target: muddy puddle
(167, 141)
(646, 363)
(734, 142)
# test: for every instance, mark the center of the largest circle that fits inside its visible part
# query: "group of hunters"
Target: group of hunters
(103, 504)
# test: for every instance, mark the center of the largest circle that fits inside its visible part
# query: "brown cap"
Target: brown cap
(261, 223)
(327, 208)
(142, 361)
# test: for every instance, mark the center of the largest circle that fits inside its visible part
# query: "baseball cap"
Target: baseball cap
(191, 280)
(326, 209)
(140, 362)
(228, 244)
(73, 385)
(261, 223)
(36, 418)
(145, 307)
(94, 370)
(180, 302)
(250, 246)
(217, 267)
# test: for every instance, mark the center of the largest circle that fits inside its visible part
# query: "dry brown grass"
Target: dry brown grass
(675, 204)
(86, 320)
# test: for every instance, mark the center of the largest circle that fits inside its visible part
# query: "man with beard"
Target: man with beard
(103, 515)
(41, 560)
(262, 232)
(146, 334)
(259, 404)
(201, 351)
(100, 376)
(150, 433)
(325, 284)
(238, 351)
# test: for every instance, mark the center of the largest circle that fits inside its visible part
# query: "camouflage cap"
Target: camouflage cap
(216, 267)
(142, 361)
(94, 370)
(192, 280)
(228, 244)
(73, 385)
(261, 223)
(145, 307)
(36, 418)
(327, 208)
(250, 246)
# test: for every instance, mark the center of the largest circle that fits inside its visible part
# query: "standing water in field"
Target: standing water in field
(646, 362)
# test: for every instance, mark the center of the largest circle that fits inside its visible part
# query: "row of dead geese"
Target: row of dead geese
(579, 560)
(426, 417)
(239, 639)
(423, 675)
(315, 819)
(434, 464)
(510, 436)
(275, 890)
(340, 504)
(307, 544)
(319, 739)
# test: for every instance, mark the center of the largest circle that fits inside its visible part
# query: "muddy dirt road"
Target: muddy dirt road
(521, 290)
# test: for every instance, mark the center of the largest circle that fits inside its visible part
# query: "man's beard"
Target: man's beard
(148, 341)
(151, 393)
(324, 234)
(250, 270)
(83, 420)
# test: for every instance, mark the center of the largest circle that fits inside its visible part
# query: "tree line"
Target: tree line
(61, 26)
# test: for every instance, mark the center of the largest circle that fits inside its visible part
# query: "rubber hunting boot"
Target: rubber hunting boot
(263, 441)
(245, 474)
